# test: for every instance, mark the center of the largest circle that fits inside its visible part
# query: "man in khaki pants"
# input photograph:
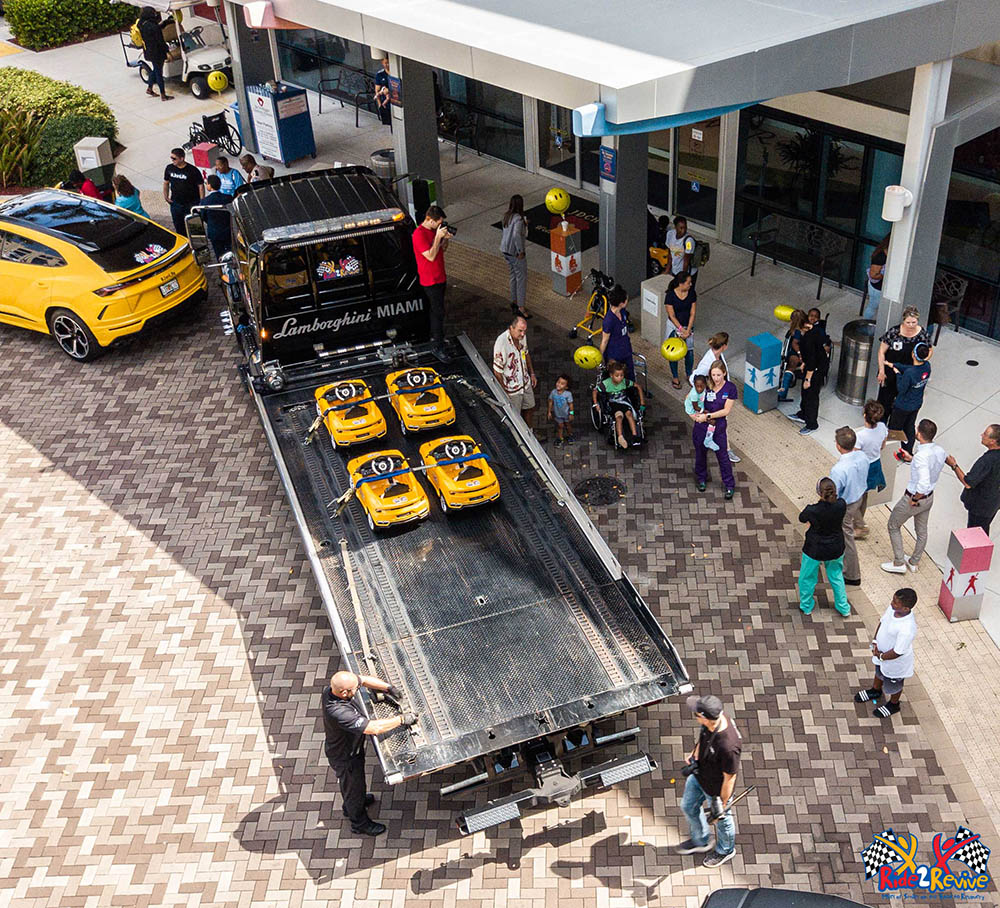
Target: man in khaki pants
(926, 463)
(850, 474)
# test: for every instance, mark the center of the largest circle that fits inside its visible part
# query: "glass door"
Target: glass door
(556, 142)
(658, 165)
(696, 186)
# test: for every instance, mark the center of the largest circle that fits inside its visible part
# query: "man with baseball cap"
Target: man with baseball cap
(716, 760)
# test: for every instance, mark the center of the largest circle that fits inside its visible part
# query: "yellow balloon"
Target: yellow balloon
(557, 200)
(217, 80)
(783, 313)
(674, 349)
(587, 357)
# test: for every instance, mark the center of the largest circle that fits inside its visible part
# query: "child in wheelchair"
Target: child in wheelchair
(618, 404)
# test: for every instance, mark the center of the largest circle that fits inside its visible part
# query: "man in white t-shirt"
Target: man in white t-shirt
(926, 463)
(512, 367)
(892, 654)
(682, 245)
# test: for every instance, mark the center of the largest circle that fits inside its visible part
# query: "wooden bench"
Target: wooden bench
(802, 244)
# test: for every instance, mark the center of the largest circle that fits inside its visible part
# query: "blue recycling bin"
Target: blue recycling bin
(281, 122)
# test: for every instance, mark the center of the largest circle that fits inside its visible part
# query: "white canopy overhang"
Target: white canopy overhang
(652, 59)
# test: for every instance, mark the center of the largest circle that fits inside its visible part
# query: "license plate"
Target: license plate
(170, 287)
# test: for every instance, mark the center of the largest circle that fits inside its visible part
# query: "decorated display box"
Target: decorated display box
(762, 377)
(969, 555)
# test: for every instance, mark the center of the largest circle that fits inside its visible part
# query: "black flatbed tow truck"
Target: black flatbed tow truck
(510, 627)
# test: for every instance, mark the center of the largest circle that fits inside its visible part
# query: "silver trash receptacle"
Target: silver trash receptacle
(855, 358)
(383, 163)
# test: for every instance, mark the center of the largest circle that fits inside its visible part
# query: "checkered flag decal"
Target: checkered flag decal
(878, 854)
(974, 855)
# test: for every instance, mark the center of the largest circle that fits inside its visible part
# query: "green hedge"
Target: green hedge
(70, 113)
(38, 24)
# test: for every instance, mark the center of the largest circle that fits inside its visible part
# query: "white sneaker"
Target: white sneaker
(734, 458)
(893, 568)
(913, 567)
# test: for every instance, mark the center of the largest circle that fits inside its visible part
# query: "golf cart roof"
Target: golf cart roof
(163, 6)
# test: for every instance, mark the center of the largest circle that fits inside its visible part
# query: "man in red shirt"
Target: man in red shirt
(430, 240)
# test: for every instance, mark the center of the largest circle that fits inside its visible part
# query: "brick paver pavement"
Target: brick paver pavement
(163, 647)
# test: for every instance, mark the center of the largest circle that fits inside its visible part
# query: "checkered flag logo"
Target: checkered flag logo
(973, 854)
(878, 854)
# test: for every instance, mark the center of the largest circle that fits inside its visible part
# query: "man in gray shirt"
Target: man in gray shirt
(850, 475)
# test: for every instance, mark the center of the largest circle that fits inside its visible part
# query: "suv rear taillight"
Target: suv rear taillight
(111, 288)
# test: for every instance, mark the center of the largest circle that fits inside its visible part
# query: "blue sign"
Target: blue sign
(609, 163)
(695, 186)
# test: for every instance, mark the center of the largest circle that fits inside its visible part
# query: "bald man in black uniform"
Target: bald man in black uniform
(346, 726)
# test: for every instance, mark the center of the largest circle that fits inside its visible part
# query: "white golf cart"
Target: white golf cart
(198, 47)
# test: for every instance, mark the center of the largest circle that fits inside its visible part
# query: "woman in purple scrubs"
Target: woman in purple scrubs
(720, 396)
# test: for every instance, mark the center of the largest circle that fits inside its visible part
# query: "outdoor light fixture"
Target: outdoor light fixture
(896, 201)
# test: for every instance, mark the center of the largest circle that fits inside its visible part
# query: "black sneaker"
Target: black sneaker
(795, 417)
(701, 487)
(688, 847)
(867, 696)
(558, 442)
(370, 828)
(570, 439)
(717, 860)
(853, 582)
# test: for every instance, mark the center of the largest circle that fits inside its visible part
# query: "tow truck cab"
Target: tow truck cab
(321, 262)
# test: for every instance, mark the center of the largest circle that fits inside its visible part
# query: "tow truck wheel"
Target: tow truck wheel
(443, 503)
(146, 73)
(199, 87)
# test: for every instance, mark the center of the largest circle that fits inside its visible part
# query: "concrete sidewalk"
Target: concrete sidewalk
(958, 665)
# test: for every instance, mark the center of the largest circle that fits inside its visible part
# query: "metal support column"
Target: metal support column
(414, 126)
(623, 212)
(253, 64)
(927, 110)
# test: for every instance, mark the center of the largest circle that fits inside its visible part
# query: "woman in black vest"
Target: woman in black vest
(154, 48)
(824, 545)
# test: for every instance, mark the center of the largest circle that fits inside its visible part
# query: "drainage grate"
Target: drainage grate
(600, 490)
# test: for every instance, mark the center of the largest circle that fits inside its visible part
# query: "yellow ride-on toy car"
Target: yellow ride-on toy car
(349, 413)
(460, 472)
(387, 489)
(419, 399)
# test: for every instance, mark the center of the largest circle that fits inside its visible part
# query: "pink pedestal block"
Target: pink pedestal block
(970, 553)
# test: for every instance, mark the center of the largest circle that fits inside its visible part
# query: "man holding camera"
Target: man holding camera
(430, 240)
(346, 726)
(711, 776)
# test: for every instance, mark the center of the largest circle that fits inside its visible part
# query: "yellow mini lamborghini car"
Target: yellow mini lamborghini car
(459, 472)
(349, 413)
(388, 489)
(88, 273)
(419, 400)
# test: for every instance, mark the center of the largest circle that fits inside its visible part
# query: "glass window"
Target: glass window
(590, 160)
(970, 237)
(980, 156)
(286, 276)
(339, 271)
(492, 117)
(841, 170)
(20, 249)
(556, 143)
(390, 259)
(887, 168)
(781, 164)
(658, 159)
(698, 170)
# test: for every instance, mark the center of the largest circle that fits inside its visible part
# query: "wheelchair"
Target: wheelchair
(215, 128)
(602, 414)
